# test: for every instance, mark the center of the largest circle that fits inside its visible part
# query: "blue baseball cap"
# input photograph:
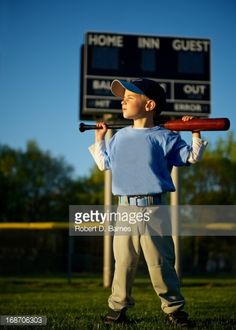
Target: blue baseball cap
(143, 86)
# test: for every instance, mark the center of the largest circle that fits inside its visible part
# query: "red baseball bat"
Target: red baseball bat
(195, 124)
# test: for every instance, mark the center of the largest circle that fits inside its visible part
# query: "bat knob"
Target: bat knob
(81, 127)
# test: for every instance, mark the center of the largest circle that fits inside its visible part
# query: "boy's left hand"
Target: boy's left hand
(196, 134)
(187, 118)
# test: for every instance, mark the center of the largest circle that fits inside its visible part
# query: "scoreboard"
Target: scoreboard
(180, 65)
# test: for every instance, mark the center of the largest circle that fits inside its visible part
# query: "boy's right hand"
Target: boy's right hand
(100, 133)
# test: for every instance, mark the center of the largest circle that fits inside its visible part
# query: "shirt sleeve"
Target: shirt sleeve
(181, 154)
(197, 150)
(98, 152)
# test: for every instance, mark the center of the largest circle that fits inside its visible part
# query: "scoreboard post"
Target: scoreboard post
(181, 65)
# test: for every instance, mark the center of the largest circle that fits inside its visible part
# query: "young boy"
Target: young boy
(141, 157)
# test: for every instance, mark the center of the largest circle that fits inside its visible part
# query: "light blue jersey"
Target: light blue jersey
(141, 160)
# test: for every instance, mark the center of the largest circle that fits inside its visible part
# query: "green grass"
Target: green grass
(80, 305)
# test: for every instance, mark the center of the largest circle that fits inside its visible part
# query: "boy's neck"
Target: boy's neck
(143, 123)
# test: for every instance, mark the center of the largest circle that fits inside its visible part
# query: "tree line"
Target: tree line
(35, 186)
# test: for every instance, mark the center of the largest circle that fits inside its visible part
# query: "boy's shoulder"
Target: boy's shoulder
(163, 135)
(162, 132)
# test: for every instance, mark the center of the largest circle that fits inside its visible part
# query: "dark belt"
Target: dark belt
(142, 200)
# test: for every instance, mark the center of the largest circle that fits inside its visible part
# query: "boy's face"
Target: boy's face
(134, 105)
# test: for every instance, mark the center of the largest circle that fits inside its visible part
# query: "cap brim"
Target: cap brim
(118, 88)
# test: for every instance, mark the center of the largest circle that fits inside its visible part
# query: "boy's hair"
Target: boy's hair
(150, 88)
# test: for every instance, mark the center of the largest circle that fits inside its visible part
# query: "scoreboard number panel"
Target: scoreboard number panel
(180, 65)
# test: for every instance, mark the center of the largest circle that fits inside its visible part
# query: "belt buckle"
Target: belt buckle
(138, 200)
(144, 201)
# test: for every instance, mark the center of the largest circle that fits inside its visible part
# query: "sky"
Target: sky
(40, 43)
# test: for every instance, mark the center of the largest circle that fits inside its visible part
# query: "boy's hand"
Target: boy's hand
(187, 118)
(100, 133)
(196, 134)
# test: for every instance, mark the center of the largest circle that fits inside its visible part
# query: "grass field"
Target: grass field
(210, 302)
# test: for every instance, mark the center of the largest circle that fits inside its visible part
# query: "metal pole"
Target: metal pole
(174, 201)
(70, 254)
(107, 241)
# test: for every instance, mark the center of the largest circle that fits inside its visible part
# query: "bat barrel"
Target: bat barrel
(199, 124)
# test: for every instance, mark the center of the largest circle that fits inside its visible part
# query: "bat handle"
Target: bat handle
(83, 127)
